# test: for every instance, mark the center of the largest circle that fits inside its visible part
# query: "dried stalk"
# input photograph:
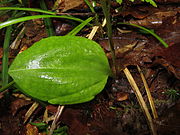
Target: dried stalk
(140, 100)
(151, 102)
(30, 111)
(56, 118)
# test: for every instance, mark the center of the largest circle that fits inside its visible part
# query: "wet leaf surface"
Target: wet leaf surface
(62, 70)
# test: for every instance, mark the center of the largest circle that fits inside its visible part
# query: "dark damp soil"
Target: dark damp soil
(115, 111)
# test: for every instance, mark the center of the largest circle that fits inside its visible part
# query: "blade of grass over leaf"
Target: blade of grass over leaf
(79, 27)
(47, 21)
(5, 56)
(150, 32)
(28, 9)
(7, 86)
(22, 19)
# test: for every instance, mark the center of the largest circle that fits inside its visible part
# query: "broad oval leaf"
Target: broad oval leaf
(61, 70)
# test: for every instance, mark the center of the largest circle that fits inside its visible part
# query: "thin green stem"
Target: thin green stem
(106, 10)
(28, 9)
(79, 27)
(22, 19)
(7, 86)
(93, 11)
(90, 6)
(5, 56)
(150, 32)
(47, 21)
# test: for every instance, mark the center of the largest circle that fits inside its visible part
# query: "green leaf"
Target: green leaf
(119, 1)
(151, 2)
(61, 129)
(41, 126)
(61, 70)
(148, 1)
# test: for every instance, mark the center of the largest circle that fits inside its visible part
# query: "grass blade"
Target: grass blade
(22, 19)
(90, 6)
(150, 32)
(7, 86)
(47, 21)
(5, 56)
(93, 11)
(79, 27)
(28, 9)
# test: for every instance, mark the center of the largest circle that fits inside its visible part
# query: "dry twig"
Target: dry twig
(151, 102)
(140, 100)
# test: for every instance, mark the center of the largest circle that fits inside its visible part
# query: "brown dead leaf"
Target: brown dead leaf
(124, 43)
(51, 108)
(171, 54)
(120, 51)
(169, 30)
(121, 96)
(73, 119)
(123, 40)
(11, 53)
(70, 4)
(149, 16)
(18, 104)
(33, 33)
(31, 130)
(170, 59)
(2, 93)
(155, 19)
(22, 96)
(167, 1)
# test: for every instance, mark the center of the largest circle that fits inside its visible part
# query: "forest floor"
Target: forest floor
(116, 110)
